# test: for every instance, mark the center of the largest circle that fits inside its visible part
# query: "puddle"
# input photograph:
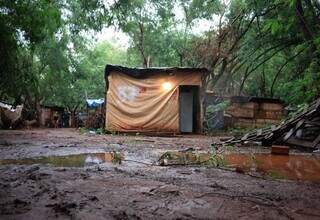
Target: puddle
(293, 167)
(77, 160)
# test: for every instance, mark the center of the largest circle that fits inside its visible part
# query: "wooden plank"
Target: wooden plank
(271, 106)
(314, 123)
(288, 134)
(259, 132)
(316, 141)
(309, 117)
(299, 143)
(293, 130)
(278, 149)
(317, 106)
(245, 137)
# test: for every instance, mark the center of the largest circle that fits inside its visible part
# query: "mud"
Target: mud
(137, 188)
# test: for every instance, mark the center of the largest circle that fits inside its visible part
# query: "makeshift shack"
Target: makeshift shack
(53, 116)
(9, 114)
(242, 111)
(95, 113)
(154, 99)
(253, 111)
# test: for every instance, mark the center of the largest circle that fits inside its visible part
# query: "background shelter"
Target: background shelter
(53, 116)
(9, 114)
(94, 103)
(242, 111)
(254, 111)
(154, 99)
(95, 113)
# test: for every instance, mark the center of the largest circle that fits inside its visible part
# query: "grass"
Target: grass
(216, 158)
(116, 158)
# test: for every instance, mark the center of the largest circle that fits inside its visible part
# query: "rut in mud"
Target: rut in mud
(89, 188)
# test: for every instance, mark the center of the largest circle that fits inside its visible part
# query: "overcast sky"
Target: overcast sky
(120, 39)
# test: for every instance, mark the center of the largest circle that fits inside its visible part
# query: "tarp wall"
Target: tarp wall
(146, 104)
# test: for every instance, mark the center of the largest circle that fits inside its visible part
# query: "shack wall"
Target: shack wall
(146, 104)
(254, 114)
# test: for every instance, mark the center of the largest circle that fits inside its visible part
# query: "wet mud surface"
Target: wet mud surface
(91, 186)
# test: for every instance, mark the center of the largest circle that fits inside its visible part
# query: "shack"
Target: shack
(9, 114)
(95, 113)
(242, 111)
(154, 99)
(53, 116)
(254, 111)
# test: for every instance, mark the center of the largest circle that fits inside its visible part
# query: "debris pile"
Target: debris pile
(302, 130)
(9, 115)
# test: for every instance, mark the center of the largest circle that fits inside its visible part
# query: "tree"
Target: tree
(266, 48)
(24, 26)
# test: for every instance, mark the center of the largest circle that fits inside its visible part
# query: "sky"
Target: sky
(120, 39)
(114, 36)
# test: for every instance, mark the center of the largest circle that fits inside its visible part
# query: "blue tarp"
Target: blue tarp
(94, 103)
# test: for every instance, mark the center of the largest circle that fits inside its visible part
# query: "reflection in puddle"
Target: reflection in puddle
(78, 160)
(293, 167)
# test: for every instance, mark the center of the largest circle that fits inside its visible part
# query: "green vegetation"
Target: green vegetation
(216, 158)
(117, 158)
(265, 48)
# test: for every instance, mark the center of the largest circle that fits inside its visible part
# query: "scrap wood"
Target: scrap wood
(316, 141)
(306, 121)
(278, 149)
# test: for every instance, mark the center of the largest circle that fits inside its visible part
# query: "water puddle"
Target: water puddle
(78, 160)
(293, 167)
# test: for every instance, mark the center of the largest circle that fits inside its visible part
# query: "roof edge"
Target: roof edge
(146, 72)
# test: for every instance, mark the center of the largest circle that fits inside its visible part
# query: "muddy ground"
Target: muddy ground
(135, 190)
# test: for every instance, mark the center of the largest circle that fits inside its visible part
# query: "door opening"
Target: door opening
(189, 109)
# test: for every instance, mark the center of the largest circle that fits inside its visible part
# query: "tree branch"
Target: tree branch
(281, 68)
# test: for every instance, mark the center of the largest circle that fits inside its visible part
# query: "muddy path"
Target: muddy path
(135, 190)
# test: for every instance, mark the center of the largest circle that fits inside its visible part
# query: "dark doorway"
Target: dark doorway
(189, 108)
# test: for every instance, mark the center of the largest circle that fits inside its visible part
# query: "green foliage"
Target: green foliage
(40, 40)
(117, 158)
(259, 48)
(100, 131)
(216, 158)
(218, 107)
(83, 130)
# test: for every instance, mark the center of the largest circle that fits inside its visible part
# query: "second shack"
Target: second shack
(52, 116)
(254, 111)
(95, 113)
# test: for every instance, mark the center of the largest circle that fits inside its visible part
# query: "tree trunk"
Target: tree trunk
(73, 119)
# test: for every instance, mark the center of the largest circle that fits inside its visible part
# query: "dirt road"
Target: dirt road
(137, 188)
